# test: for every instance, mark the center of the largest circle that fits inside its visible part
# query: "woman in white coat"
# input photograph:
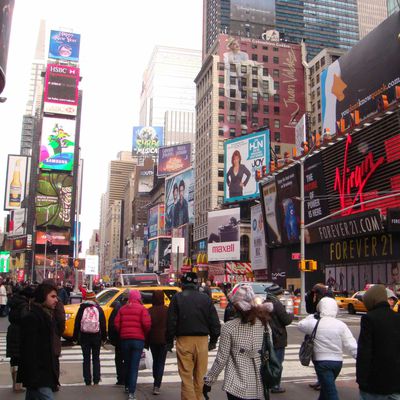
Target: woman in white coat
(3, 298)
(332, 336)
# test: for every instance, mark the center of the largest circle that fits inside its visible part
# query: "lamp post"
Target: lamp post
(302, 240)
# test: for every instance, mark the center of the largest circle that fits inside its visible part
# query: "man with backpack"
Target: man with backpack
(90, 330)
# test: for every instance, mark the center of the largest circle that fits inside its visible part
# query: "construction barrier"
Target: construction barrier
(296, 307)
(223, 302)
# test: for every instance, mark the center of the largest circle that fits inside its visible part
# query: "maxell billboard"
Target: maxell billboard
(173, 159)
(64, 46)
(224, 235)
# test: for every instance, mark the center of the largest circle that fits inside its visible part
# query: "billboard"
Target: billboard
(146, 178)
(17, 171)
(164, 254)
(56, 238)
(156, 224)
(256, 11)
(257, 249)
(92, 265)
(300, 134)
(153, 255)
(64, 46)
(6, 12)
(147, 140)
(54, 200)
(271, 214)
(18, 222)
(244, 156)
(224, 235)
(364, 80)
(58, 144)
(179, 199)
(173, 159)
(4, 261)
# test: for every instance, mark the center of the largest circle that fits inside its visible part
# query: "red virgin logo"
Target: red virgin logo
(347, 180)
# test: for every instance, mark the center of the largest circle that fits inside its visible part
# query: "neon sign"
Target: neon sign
(347, 180)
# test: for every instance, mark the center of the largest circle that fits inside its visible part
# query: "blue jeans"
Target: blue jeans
(159, 353)
(132, 350)
(374, 396)
(280, 354)
(43, 393)
(327, 372)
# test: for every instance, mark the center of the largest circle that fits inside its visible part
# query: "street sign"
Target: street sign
(92, 265)
(296, 256)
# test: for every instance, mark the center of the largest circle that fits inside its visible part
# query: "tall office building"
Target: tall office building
(370, 14)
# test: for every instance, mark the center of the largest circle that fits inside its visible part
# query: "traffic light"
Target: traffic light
(308, 265)
(76, 263)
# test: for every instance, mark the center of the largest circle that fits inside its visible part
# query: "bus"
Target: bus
(140, 279)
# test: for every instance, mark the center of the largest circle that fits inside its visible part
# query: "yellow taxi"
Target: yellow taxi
(340, 297)
(354, 303)
(217, 294)
(108, 296)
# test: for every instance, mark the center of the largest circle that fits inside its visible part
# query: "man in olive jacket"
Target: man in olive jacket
(378, 354)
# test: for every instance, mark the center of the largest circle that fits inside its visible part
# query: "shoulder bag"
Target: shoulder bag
(307, 347)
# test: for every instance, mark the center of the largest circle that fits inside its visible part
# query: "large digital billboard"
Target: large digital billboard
(6, 12)
(364, 80)
(258, 253)
(256, 11)
(156, 224)
(146, 178)
(224, 235)
(64, 45)
(57, 144)
(244, 156)
(179, 199)
(271, 213)
(16, 181)
(147, 140)
(54, 200)
(173, 159)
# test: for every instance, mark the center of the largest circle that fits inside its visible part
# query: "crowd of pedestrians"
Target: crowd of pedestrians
(191, 325)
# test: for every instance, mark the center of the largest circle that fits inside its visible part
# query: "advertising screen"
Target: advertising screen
(6, 13)
(153, 255)
(164, 254)
(17, 171)
(147, 140)
(256, 11)
(271, 214)
(258, 253)
(156, 225)
(173, 159)
(300, 134)
(64, 45)
(244, 156)
(57, 144)
(179, 199)
(224, 235)
(54, 200)
(146, 178)
(364, 80)
(56, 238)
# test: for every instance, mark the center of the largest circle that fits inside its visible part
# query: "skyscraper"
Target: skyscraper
(370, 14)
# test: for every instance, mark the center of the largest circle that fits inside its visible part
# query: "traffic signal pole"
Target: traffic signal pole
(302, 240)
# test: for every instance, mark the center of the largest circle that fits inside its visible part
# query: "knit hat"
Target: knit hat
(90, 295)
(374, 295)
(134, 296)
(274, 289)
(390, 294)
(243, 299)
(189, 278)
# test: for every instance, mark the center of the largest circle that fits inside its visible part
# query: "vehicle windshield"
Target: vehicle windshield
(216, 290)
(105, 296)
(259, 288)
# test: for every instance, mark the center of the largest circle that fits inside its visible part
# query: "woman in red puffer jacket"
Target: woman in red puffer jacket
(133, 325)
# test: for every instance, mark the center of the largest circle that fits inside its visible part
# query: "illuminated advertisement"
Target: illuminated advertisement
(147, 140)
(64, 45)
(54, 200)
(244, 156)
(18, 222)
(153, 255)
(146, 178)
(4, 261)
(224, 235)
(173, 159)
(17, 171)
(271, 213)
(257, 249)
(179, 199)
(56, 238)
(256, 11)
(156, 224)
(6, 13)
(164, 254)
(57, 144)
(363, 81)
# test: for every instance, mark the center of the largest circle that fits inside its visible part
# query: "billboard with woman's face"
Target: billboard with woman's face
(244, 156)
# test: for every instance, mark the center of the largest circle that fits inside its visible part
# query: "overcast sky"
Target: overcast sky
(117, 39)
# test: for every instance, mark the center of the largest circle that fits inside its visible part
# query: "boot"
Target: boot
(17, 386)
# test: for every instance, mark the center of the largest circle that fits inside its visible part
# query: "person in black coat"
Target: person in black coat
(38, 359)
(378, 354)
(280, 319)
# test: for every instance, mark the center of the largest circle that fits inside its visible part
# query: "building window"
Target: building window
(318, 91)
(243, 69)
(318, 78)
(243, 81)
(277, 149)
(243, 106)
(221, 66)
(276, 85)
(232, 132)
(275, 49)
(221, 186)
(277, 136)
(266, 109)
(266, 122)
(221, 105)
(322, 61)
(254, 57)
(232, 106)
(276, 60)
(232, 93)
(220, 158)
(254, 70)
(220, 200)
(265, 58)
(265, 47)
(265, 71)
(221, 79)
(319, 104)
(220, 132)
(254, 121)
(220, 173)
(277, 123)
(266, 96)
(243, 120)
(244, 131)
(254, 83)
(276, 98)
(276, 73)
(232, 119)
(221, 91)
(253, 46)
(232, 80)
(221, 117)
(277, 110)
(319, 117)
(317, 65)
(254, 108)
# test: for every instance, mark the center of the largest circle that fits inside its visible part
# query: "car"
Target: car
(258, 287)
(217, 294)
(354, 303)
(340, 297)
(108, 296)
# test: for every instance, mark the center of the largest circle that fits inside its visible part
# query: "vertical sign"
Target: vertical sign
(257, 250)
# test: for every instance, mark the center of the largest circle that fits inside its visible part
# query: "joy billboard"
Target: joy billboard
(179, 199)
(244, 156)
(17, 171)
(58, 144)
(64, 45)
(173, 159)
(147, 140)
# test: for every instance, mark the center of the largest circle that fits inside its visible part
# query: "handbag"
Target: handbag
(271, 368)
(307, 347)
(146, 360)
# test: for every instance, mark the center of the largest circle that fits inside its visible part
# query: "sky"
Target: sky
(117, 39)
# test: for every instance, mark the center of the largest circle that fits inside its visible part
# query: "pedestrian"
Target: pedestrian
(391, 298)
(157, 337)
(192, 317)
(332, 336)
(377, 366)
(133, 325)
(115, 340)
(37, 370)
(205, 288)
(62, 294)
(19, 307)
(90, 330)
(239, 348)
(280, 319)
(3, 298)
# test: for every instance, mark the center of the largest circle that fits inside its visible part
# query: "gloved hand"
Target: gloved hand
(212, 346)
(206, 390)
(170, 346)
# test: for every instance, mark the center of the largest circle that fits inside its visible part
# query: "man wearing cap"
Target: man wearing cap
(378, 355)
(192, 317)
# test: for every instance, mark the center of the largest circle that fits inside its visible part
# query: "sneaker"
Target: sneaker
(126, 389)
(278, 390)
(156, 390)
(131, 396)
(315, 386)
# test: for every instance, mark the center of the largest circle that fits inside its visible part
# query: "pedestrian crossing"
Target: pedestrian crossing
(71, 366)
